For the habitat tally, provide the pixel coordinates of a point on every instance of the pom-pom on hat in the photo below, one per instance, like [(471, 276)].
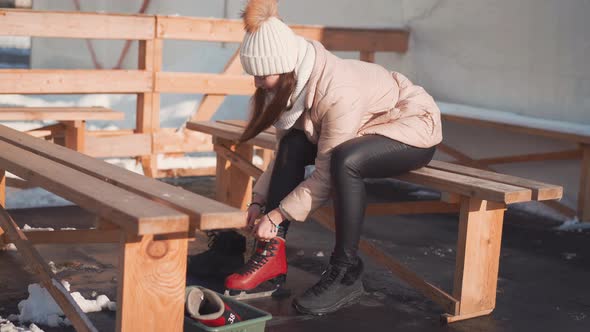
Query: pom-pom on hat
[(269, 47)]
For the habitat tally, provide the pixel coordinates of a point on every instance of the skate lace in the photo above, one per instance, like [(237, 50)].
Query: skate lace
[(212, 239), (258, 259), (329, 276)]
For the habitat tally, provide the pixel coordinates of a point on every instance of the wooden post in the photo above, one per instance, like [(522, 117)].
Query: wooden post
[(75, 135), (478, 257), (584, 195), (3, 240), (234, 187), (151, 283), (368, 56), (267, 156), (148, 104)]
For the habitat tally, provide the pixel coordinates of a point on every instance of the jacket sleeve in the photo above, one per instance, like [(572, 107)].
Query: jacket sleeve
[(339, 123)]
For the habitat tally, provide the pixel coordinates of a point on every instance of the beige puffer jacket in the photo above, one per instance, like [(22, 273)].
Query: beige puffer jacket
[(347, 99)]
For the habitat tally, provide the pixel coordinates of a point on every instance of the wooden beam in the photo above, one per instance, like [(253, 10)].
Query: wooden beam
[(43, 273), (118, 146), (18, 183), (58, 113), (458, 155), (170, 82), (75, 25), (325, 217), (184, 172), (419, 207), (210, 103), (148, 104), (169, 140), (151, 284), (107, 133), (56, 81), (79, 236), (204, 213), (336, 39), (244, 165), (584, 195), (75, 135), (135, 214), (565, 210), (560, 155), (232, 133), (478, 255), (267, 156), (368, 56), (233, 186), (560, 135), (39, 133), (2, 203)]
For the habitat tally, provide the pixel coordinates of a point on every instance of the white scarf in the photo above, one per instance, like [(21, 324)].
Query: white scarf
[(303, 69)]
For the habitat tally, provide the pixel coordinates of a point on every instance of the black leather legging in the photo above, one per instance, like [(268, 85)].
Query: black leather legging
[(370, 156)]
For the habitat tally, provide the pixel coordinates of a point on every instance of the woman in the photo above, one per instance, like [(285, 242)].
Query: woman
[(353, 120)]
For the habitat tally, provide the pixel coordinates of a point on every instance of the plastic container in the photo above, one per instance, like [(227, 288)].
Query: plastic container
[(254, 319)]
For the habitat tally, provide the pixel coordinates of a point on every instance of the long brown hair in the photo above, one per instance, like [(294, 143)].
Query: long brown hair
[(263, 115)]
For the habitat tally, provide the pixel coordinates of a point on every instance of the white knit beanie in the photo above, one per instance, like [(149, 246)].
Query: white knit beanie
[(269, 47)]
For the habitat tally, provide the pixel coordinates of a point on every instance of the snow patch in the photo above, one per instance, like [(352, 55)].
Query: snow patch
[(573, 225), (8, 247), (40, 308), (7, 326), (27, 228)]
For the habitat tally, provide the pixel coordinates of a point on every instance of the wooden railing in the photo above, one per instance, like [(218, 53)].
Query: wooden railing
[(149, 81)]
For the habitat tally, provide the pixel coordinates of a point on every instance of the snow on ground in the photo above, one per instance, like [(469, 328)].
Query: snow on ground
[(8, 326), (40, 308)]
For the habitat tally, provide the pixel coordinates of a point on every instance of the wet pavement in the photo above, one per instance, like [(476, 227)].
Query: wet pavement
[(544, 281)]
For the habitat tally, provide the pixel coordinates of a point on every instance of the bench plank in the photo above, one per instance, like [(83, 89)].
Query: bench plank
[(229, 132), (58, 113), (467, 185), (204, 213), (133, 213), (541, 191), (437, 179)]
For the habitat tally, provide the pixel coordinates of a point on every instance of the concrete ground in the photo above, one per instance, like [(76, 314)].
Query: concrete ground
[(544, 282)]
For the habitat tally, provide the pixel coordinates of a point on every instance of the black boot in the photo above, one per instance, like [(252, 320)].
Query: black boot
[(340, 286), (224, 257)]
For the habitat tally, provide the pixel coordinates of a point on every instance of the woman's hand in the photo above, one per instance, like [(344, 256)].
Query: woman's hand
[(254, 212), (265, 230)]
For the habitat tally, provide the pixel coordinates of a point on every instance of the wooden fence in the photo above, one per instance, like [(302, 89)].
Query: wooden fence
[(148, 81)]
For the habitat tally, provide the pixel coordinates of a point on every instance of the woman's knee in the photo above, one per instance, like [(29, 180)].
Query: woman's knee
[(345, 160)]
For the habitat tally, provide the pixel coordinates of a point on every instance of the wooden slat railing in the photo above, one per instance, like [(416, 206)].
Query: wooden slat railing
[(149, 81)]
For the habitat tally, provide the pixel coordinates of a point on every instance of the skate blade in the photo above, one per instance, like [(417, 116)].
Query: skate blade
[(243, 295)]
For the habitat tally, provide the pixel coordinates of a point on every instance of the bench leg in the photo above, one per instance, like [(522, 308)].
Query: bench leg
[(478, 258), (234, 187), (3, 240), (151, 284), (584, 195), (75, 135)]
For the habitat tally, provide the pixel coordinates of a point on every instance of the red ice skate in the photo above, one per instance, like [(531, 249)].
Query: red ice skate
[(263, 274)]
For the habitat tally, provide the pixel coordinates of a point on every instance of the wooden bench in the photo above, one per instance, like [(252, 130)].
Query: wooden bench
[(150, 220), (479, 196), (71, 121), (576, 133)]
